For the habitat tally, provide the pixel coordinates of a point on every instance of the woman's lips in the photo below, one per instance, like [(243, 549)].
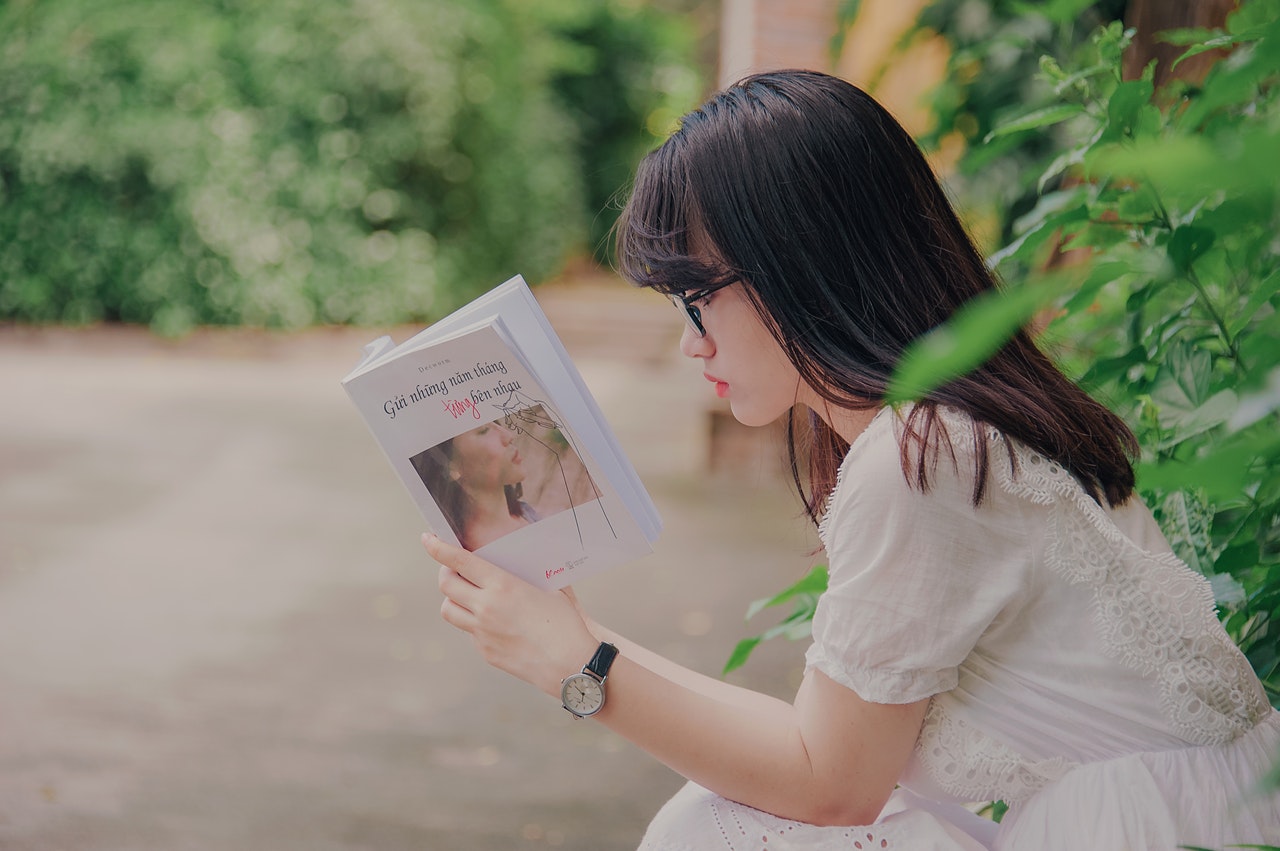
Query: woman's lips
[(722, 387)]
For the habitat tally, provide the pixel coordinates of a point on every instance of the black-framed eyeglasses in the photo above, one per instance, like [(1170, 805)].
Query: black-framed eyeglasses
[(692, 314)]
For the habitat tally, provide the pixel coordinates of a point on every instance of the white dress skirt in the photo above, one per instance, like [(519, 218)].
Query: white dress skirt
[(1077, 669)]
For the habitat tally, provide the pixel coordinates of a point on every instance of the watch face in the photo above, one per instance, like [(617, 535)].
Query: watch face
[(582, 694)]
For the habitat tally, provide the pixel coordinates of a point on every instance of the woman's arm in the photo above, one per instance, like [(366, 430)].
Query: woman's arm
[(693, 680), (831, 758)]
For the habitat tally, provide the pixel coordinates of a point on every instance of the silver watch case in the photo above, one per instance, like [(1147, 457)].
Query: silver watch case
[(582, 694)]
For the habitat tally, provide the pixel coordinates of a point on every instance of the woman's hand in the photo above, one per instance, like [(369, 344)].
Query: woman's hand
[(538, 636)]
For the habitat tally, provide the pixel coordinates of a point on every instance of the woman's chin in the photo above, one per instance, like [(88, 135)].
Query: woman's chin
[(752, 418)]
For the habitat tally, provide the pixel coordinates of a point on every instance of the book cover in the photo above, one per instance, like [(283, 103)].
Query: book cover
[(491, 429)]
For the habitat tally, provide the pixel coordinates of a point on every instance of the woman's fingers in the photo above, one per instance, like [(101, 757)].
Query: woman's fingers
[(466, 564), (533, 634), (474, 589), (452, 585), (456, 616)]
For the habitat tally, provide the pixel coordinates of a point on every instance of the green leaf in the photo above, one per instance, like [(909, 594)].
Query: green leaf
[(1227, 590), (1137, 206), (1188, 35), (1194, 167), (1238, 556), (1185, 519), (1184, 378), (1101, 275), (1258, 350), (1098, 235), (1073, 157), (1188, 244), (971, 336), (1051, 208), (1254, 18), (1220, 42), (1127, 109), (1235, 83), (1258, 404), (1260, 296), (1058, 11), (814, 582), (1047, 219), (1187, 402), (1224, 472), (1104, 370), (796, 626), (741, 652), (1036, 118)]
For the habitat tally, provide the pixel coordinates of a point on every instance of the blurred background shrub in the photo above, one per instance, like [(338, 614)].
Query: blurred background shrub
[(291, 163)]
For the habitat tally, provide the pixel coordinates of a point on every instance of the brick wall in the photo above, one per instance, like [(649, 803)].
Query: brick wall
[(759, 35)]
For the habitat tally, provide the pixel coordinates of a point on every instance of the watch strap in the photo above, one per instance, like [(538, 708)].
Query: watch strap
[(601, 661)]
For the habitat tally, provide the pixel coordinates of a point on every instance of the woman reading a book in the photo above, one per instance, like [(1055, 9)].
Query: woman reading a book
[(1003, 620), (477, 480)]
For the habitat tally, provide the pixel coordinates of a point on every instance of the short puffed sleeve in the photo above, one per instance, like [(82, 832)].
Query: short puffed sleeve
[(916, 577)]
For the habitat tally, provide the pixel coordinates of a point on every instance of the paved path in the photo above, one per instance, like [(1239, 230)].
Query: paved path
[(217, 630)]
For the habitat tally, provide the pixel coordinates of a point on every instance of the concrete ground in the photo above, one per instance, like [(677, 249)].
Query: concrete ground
[(218, 631)]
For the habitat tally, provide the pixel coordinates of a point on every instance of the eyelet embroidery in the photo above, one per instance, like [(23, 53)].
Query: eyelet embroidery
[(741, 830), (971, 765)]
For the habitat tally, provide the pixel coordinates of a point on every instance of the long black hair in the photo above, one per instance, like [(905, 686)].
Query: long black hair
[(803, 188)]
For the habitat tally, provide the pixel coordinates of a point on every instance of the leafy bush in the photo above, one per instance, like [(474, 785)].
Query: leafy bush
[(288, 163)]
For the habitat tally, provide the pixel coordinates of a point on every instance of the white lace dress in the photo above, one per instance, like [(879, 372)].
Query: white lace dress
[(1077, 669)]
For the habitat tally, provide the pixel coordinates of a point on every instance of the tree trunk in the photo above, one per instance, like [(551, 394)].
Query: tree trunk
[(1150, 17)]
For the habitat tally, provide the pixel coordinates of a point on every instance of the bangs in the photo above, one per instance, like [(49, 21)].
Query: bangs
[(660, 241)]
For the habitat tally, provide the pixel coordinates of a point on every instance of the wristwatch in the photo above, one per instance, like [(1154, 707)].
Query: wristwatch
[(583, 693)]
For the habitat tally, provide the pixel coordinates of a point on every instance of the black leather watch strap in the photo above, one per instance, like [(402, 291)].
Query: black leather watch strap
[(600, 663)]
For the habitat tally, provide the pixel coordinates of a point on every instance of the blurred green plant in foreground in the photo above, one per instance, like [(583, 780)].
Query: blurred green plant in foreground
[(1150, 255), (293, 163)]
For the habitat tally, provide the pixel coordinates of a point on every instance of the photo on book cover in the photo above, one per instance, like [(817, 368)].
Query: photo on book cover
[(505, 474)]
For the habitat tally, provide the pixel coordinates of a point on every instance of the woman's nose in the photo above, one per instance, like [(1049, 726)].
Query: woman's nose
[(693, 346)]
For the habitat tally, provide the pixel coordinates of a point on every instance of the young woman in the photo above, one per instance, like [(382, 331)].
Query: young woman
[(476, 479), (1003, 620)]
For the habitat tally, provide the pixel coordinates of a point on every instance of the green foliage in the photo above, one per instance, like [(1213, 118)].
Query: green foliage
[(289, 163), (995, 47), (803, 595), (627, 84), (1159, 225), (1174, 322), (974, 334)]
